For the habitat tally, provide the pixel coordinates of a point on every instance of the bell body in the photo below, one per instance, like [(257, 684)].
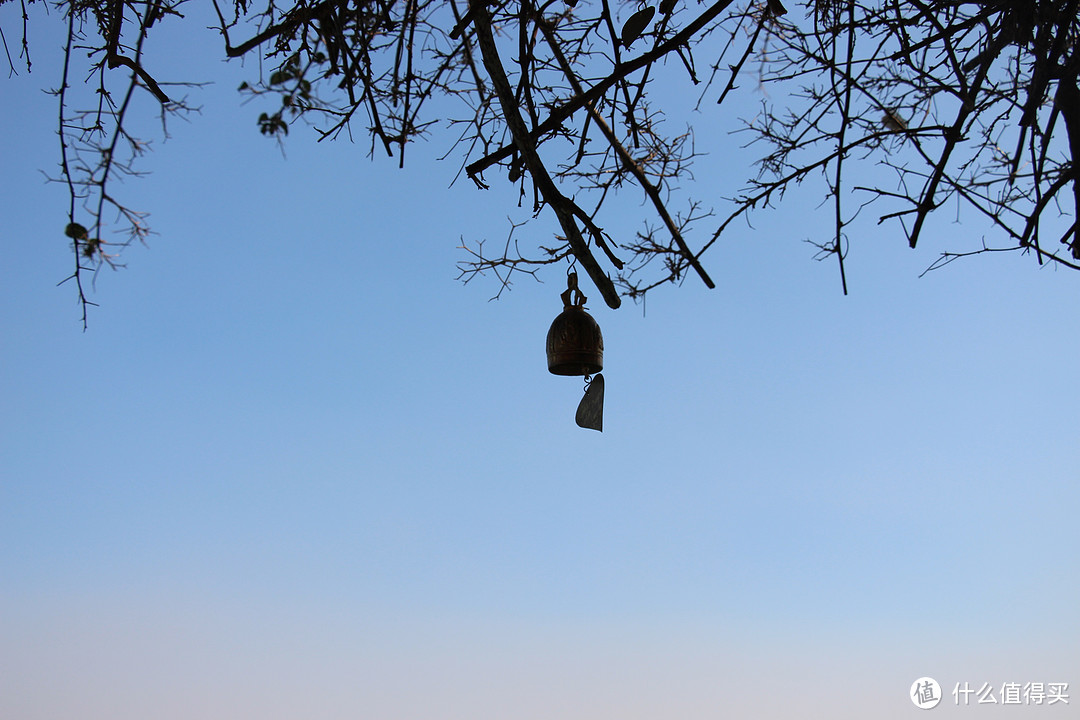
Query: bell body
[(574, 344)]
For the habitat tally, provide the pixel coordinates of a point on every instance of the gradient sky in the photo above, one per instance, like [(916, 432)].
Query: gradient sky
[(294, 469)]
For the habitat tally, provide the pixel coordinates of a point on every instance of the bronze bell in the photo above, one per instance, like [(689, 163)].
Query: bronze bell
[(574, 343)]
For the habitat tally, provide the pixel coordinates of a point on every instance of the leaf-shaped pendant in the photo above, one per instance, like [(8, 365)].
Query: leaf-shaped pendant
[(590, 411)]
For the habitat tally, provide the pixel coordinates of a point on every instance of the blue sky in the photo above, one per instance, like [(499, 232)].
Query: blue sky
[(294, 468)]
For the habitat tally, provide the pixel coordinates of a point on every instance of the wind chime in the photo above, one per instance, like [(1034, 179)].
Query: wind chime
[(576, 347)]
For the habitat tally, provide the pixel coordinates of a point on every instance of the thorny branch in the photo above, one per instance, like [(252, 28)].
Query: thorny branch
[(95, 146)]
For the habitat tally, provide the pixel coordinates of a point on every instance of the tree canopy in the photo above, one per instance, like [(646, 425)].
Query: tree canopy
[(965, 104)]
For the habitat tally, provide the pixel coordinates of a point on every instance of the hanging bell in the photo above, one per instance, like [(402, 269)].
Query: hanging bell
[(574, 343)]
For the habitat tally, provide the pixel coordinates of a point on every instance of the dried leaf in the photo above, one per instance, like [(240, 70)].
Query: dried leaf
[(75, 231), (636, 24)]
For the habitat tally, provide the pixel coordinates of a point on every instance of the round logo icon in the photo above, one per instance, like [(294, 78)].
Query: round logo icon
[(925, 693)]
